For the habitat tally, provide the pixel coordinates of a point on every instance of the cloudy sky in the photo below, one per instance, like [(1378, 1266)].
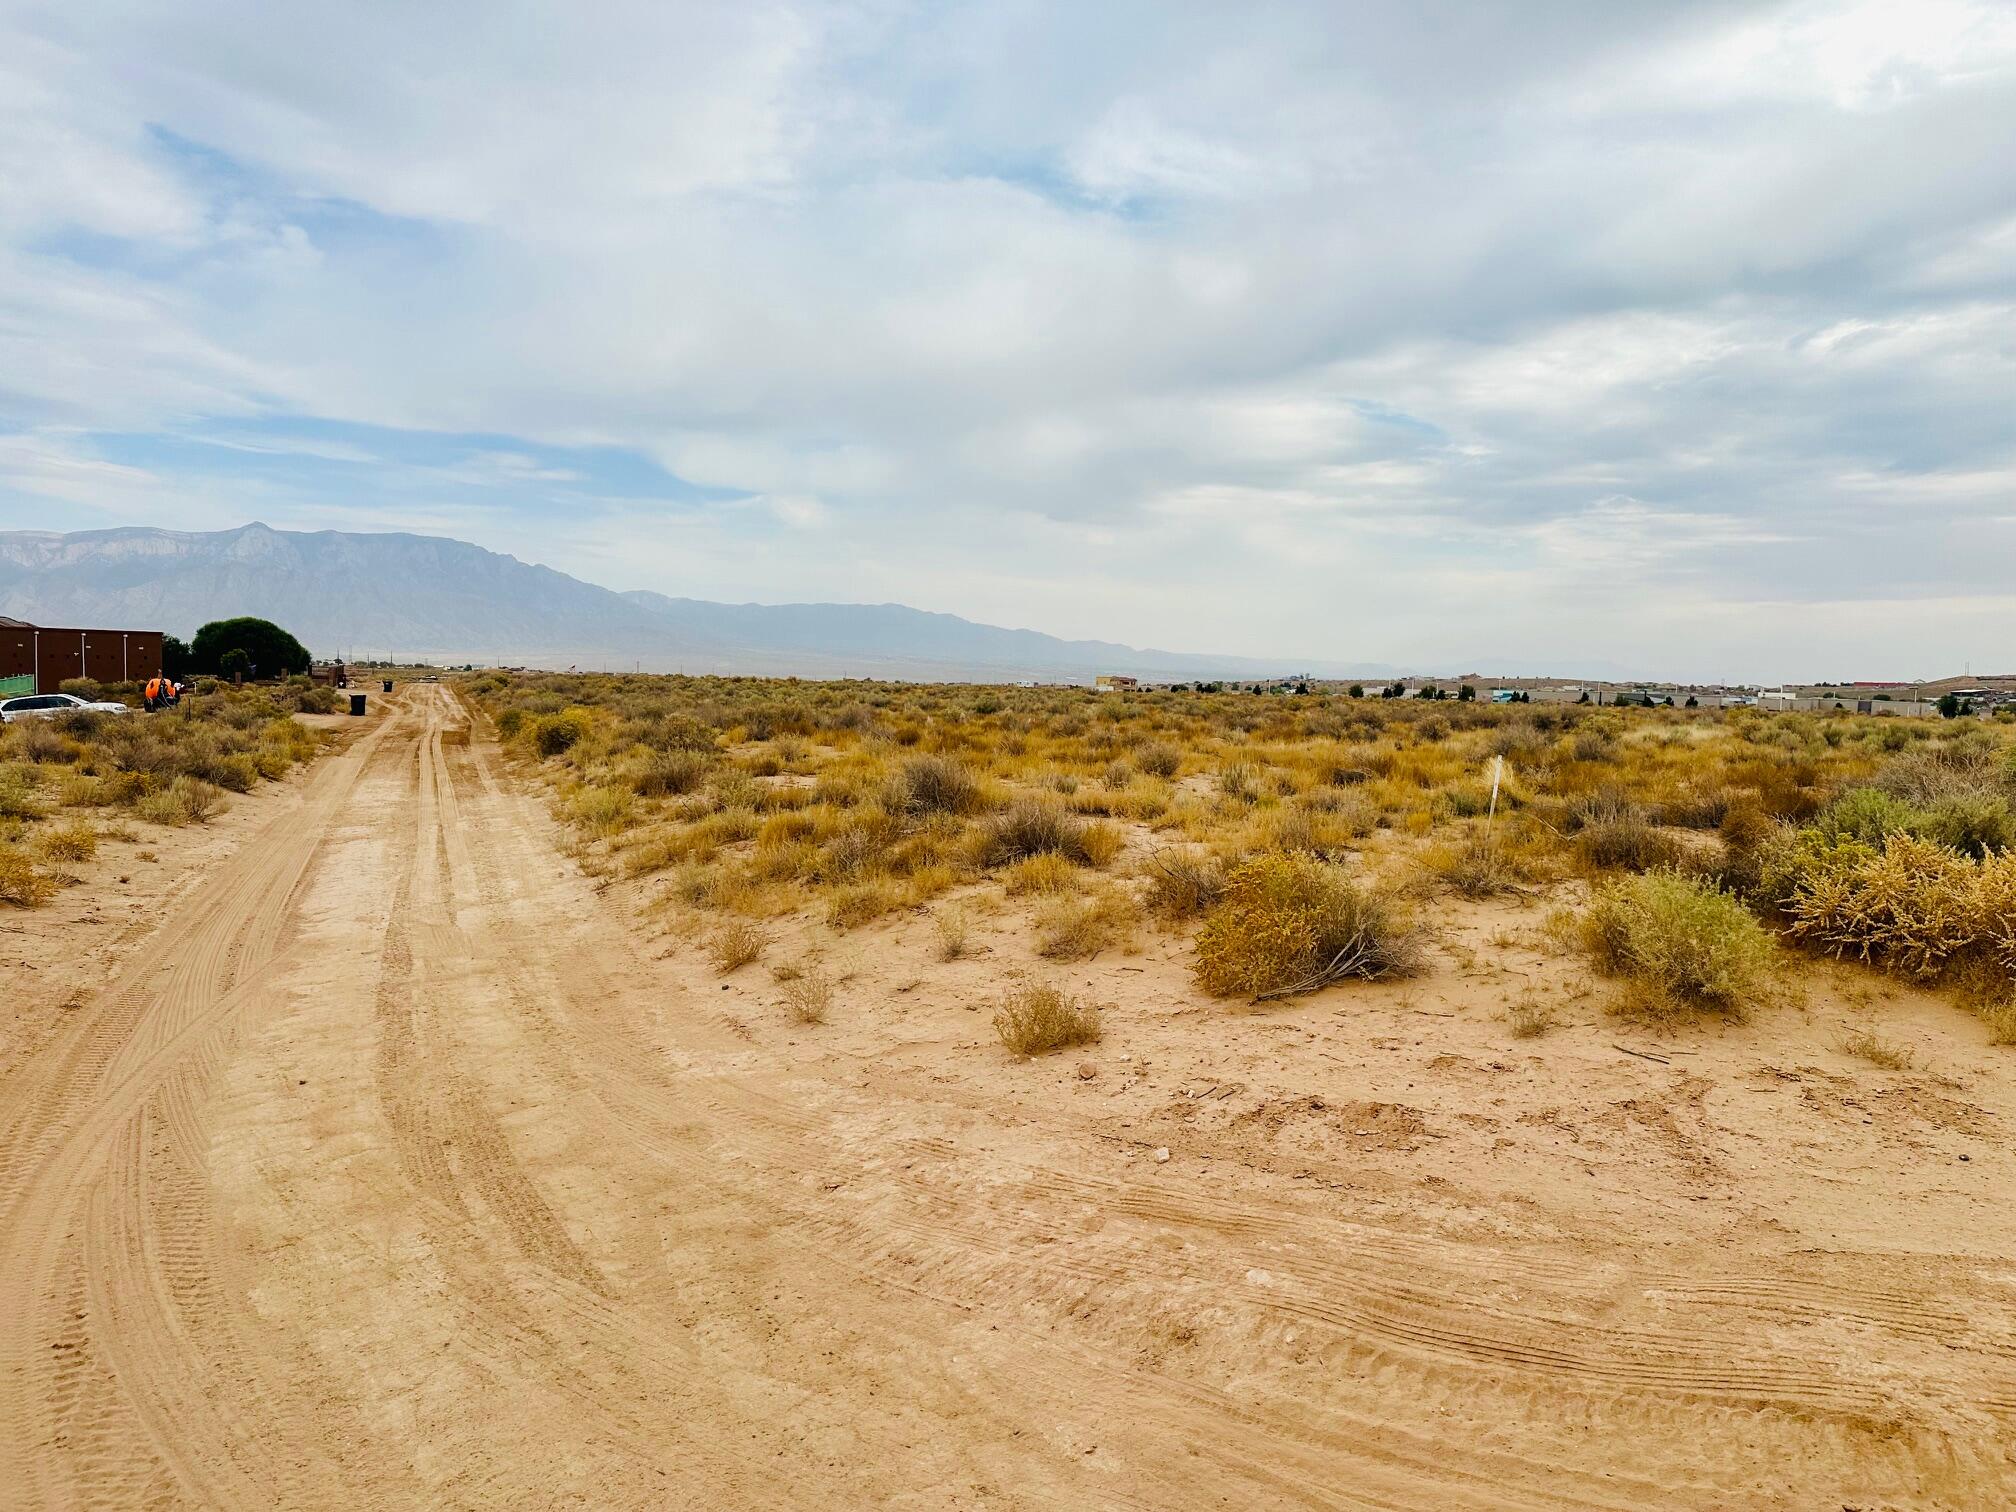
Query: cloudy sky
[(1679, 336)]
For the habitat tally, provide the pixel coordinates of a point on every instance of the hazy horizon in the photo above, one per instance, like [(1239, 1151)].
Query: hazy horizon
[(1682, 339)]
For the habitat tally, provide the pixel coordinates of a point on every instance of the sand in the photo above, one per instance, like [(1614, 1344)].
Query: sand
[(361, 1152)]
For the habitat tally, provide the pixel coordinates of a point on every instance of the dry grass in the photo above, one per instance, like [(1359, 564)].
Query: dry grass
[(1035, 1019), (1077, 929), (1530, 1018), (809, 997), (851, 803), (1865, 1045), (954, 932), (736, 944)]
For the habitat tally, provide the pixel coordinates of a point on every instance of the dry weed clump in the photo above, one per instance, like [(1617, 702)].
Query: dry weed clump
[(808, 996), (954, 932), (1910, 904), (1481, 866), (1864, 1044), (1679, 943), (1034, 827), (1077, 929), (1183, 884), (1290, 924), (735, 944), (1035, 1019), (20, 883)]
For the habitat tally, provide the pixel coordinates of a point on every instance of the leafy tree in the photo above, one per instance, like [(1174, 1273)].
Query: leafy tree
[(269, 650), (235, 664), (1949, 706), (1357, 690), (1466, 694), (175, 659)]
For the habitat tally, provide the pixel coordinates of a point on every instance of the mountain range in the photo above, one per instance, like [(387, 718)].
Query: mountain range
[(428, 598)]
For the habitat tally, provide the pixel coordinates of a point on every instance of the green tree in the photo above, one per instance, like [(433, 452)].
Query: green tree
[(269, 650), (1466, 694), (235, 664), (1949, 706), (175, 657), (1357, 690)]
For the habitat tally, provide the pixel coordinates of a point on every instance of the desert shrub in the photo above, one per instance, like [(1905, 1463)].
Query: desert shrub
[(557, 734), (1679, 942), (935, 785), (1076, 929), (1035, 827), (1912, 905), (864, 902), (20, 794), (672, 773), (1183, 884), (510, 722), (187, 800), (1626, 842), (1043, 875), (45, 741), (954, 934), (20, 883), (75, 841), (1158, 759), (1866, 1045), (1290, 923), (1973, 824), (808, 996), (735, 944), (1238, 781), (1035, 1019), (1479, 866)]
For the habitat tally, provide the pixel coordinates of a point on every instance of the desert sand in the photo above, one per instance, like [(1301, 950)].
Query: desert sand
[(364, 1153)]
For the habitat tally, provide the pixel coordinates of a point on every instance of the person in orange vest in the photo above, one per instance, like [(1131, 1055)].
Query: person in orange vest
[(153, 693)]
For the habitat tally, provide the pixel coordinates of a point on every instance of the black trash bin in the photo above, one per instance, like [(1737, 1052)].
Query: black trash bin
[(356, 703), (388, 685)]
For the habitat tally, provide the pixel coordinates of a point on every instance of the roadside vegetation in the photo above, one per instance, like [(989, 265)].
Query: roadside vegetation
[(1296, 840), (68, 782)]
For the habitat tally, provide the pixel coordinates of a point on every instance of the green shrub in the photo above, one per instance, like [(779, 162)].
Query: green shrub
[(557, 734), (1679, 942), (1290, 923)]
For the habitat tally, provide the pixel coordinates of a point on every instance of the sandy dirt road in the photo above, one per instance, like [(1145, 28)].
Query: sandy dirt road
[(399, 1174)]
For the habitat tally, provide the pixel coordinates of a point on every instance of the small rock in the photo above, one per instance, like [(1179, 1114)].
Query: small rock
[(1161, 1154), (1086, 1070)]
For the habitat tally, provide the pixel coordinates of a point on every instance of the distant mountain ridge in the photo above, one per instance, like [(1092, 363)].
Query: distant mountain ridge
[(432, 598)]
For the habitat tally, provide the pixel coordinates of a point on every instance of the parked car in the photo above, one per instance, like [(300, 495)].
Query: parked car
[(49, 705)]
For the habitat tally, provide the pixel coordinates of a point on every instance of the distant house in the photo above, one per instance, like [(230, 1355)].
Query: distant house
[(1113, 682), (40, 659)]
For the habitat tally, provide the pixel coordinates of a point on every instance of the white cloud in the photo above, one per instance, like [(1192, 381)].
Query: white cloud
[(1150, 324)]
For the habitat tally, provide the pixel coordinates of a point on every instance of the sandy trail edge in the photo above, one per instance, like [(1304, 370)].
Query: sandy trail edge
[(394, 1176)]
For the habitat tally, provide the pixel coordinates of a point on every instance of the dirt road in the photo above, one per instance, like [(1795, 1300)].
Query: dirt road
[(398, 1174)]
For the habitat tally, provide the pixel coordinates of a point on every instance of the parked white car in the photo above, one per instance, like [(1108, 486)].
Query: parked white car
[(49, 705)]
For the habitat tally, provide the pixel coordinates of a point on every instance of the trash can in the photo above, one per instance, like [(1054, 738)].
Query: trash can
[(356, 703), (388, 685)]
